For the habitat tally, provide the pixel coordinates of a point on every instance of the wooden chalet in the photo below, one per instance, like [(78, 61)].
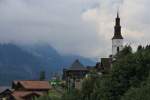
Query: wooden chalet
[(26, 90), (74, 74)]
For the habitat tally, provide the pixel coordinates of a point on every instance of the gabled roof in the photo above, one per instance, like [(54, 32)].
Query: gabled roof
[(31, 85), (19, 95), (76, 65), (4, 88)]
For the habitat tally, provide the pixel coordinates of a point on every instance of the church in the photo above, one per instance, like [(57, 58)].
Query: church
[(117, 45), (74, 74), (117, 40)]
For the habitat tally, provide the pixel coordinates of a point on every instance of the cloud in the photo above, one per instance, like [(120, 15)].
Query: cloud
[(56, 22), (82, 27), (135, 20)]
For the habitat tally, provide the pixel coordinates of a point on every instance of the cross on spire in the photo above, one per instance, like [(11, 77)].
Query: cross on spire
[(118, 13)]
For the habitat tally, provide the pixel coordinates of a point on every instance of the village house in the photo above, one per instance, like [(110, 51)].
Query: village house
[(26, 90), (4, 91), (74, 74)]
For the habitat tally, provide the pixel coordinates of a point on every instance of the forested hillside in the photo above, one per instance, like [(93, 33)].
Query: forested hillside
[(129, 79)]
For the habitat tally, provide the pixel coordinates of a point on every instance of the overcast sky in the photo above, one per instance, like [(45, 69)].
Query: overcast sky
[(82, 27)]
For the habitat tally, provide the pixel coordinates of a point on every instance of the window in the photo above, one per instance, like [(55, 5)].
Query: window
[(118, 49)]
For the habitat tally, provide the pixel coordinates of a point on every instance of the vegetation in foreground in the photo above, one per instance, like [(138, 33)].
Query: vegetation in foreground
[(52, 95), (129, 79)]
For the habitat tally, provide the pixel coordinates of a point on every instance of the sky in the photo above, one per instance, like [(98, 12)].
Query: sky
[(79, 27)]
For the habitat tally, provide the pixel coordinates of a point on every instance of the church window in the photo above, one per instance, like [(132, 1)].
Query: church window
[(118, 49)]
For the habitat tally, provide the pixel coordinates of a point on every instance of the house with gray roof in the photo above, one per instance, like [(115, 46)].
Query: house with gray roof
[(74, 74)]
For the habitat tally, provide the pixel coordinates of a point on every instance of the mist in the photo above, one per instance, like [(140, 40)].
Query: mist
[(81, 27)]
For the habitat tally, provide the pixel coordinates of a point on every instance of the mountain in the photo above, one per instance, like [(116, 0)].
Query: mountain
[(16, 63), (47, 54), (52, 60), (26, 62)]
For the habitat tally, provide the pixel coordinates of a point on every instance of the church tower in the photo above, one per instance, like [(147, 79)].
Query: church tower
[(117, 40)]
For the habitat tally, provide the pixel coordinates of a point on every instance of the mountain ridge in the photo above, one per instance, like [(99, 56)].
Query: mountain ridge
[(26, 62)]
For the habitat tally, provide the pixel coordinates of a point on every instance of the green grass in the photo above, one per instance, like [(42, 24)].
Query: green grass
[(54, 95)]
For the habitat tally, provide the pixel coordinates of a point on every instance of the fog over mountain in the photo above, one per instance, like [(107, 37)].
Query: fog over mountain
[(26, 62)]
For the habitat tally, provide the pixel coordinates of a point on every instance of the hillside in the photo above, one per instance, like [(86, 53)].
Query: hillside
[(16, 63)]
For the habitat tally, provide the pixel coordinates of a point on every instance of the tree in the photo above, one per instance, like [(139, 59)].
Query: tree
[(139, 48), (139, 93), (42, 75), (129, 70), (126, 51)]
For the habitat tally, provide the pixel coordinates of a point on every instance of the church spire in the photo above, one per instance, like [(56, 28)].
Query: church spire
[(117, 28), (117, 40), (117, 14)]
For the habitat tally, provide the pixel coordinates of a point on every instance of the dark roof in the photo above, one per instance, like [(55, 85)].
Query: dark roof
[(117, 37), (29, 84), (3, 88), (117, 29), (76, 65)]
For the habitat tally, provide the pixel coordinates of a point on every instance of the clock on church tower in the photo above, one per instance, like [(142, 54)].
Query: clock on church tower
[(117, 40)]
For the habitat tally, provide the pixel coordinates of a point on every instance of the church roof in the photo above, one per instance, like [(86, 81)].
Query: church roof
[(76, 65), (117, 37), (117, 29)]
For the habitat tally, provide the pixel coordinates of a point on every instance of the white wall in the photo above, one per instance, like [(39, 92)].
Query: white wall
[(116, 43)]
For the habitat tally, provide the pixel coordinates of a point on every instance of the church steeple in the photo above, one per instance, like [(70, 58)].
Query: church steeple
[(117, 40), (117, 28)]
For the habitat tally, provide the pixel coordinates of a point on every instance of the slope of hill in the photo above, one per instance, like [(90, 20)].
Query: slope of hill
[(16, 63)]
